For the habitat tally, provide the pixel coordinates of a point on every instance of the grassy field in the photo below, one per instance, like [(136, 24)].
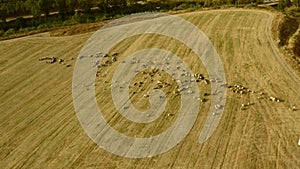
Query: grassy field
[(39, 127)]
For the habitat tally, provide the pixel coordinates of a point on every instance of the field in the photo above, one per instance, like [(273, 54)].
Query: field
[(39, 127)]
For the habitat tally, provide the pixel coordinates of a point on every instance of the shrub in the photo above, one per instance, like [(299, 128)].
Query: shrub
[(296, 48), (251, 5), (2, 32), (293, 11), (9, 32), (286, 29), (79, 17), (100, 18), (20, 23), (21, 30), (183, 6)]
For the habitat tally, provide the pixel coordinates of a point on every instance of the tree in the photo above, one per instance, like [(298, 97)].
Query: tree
[(45, 6), (207, 2), (71, 5), (283, 4), (33, 7), (62, 8), (296, 3), (3, 12), (123, 3), (20, 7), (86, 5), (119, 3), (131, 2)]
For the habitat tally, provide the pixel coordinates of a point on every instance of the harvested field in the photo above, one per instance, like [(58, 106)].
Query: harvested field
[(39, 127)]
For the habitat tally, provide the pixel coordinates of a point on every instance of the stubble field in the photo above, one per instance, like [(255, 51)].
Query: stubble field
[(39, 127)]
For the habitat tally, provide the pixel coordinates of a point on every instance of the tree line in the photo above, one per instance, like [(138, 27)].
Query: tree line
[(70, 12), (13, 8)]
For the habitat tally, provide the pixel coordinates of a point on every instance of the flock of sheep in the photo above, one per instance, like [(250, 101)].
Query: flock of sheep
[(52, 60), (239, 90)]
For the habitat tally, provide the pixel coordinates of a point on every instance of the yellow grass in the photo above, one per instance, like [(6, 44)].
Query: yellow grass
[(39, 127)]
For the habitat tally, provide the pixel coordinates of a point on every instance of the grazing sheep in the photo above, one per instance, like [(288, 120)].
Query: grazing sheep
[(203, 100), (243, 108), (272, 98), (217, 106), (115, 54), (114, 59)]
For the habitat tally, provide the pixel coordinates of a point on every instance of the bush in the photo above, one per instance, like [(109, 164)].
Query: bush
[(183, 6), (42, 26), (21, 30), (69, 22), (296, 48), (20, 23), (2, 32), (100, 18), (286, 29), (9, 32), (79, 17), (250, 5), (293, 11)]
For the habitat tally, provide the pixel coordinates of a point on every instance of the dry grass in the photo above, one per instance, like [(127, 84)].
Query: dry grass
[(39, 127)]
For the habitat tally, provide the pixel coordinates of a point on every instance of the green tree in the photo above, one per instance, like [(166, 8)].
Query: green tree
[(123, 3), (45, 6), (62, 8), (33, 7), (20, 7), (131, 2), (296, 3), (283, 4), (103, 5), (207, 2), (71, 5), (3, 12), (86, 5)]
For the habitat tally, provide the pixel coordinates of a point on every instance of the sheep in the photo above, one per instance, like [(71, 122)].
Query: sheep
[(272, 98), (114, 59), (81, 57), (206, 81), (294, 108), (243, 108), (217, 106), (60, 60), (115, 54)]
